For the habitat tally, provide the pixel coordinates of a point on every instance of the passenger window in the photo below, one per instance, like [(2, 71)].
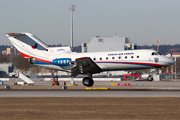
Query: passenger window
[(100, 58), (132, 57), (106, 58), (119, 57), (138, 56), (112, 57), (125, 57), (94, 58)]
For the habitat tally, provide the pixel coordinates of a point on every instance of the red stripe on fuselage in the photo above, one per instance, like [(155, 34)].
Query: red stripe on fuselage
[(158, 65), (82, 57), (25, 56), (138, 63), (43, 60), (38, 59)]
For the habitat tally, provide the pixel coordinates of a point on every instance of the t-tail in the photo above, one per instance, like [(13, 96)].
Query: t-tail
[(27, 44), (36, 51)]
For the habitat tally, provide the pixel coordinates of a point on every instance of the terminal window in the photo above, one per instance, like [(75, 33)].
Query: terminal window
[(100, 40)]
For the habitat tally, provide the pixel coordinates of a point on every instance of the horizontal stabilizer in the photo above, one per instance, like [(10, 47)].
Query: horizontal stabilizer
[(14, 34)]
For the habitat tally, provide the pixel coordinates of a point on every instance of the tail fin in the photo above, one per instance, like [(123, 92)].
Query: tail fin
[(27, 44)]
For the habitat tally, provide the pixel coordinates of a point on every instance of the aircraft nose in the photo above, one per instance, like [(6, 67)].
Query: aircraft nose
[(171, 61)]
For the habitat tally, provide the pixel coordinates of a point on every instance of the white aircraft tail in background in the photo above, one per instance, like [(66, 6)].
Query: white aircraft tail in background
[(63, 59)]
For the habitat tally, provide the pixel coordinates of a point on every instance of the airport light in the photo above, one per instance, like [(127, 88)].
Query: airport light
[(71, 9)]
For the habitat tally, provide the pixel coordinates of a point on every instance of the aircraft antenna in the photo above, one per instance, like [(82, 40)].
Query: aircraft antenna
[(71, 9)]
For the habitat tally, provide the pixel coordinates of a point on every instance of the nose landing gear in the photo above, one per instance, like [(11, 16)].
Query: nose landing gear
[(150, 78)]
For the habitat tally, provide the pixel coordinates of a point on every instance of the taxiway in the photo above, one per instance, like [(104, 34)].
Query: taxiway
[(166, 88)]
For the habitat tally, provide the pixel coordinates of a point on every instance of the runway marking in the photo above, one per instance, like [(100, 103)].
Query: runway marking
[(97, 88), (113, 84), (101, 88)]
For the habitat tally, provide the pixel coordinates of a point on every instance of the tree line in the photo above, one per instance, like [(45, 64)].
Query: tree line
[(163, 49)]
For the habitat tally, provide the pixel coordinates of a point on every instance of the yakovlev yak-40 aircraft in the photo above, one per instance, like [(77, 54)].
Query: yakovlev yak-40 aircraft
[(63, 59)]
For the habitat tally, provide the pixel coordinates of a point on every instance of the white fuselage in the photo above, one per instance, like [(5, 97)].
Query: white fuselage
[(31, 47), (117, 60)]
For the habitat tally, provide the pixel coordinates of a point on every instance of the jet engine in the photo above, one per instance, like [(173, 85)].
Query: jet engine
[(31, 60)]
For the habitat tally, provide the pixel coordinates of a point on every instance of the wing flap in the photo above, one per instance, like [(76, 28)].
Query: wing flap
[(85, 65)]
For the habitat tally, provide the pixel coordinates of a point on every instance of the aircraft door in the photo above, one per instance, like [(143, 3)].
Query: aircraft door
[(150, 58)]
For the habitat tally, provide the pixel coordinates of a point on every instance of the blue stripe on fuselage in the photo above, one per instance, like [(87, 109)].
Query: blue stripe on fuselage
[(42, 63)]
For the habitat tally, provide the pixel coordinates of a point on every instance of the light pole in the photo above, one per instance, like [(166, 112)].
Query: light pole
[(71, 9), (157, 44)]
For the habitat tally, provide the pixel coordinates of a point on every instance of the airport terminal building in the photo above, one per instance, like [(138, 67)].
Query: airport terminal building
[(110, 43)]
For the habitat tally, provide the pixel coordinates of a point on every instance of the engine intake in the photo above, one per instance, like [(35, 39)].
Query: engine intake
[(31, 60), (62, 61)]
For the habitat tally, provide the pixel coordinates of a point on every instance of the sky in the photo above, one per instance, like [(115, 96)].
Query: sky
[(49, 20)]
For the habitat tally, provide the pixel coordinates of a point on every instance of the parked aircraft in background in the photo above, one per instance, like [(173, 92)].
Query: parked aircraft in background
[(63, 59)]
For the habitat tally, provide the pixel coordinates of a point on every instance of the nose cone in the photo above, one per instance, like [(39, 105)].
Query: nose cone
[(170, 62)]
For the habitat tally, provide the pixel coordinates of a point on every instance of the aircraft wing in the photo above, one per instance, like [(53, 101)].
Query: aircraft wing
[(85, 65)]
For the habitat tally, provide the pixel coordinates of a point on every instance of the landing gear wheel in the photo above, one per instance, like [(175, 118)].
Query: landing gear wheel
[(87, 81), (150, 78)]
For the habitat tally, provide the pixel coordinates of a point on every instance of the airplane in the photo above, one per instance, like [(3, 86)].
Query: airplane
[(63, 59)]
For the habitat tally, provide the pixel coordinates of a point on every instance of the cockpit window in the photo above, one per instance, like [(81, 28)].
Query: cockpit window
[(156, 53), (159, 53)]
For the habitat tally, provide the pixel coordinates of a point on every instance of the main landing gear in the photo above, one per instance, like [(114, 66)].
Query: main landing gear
[(88, 81), (150, 78)]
